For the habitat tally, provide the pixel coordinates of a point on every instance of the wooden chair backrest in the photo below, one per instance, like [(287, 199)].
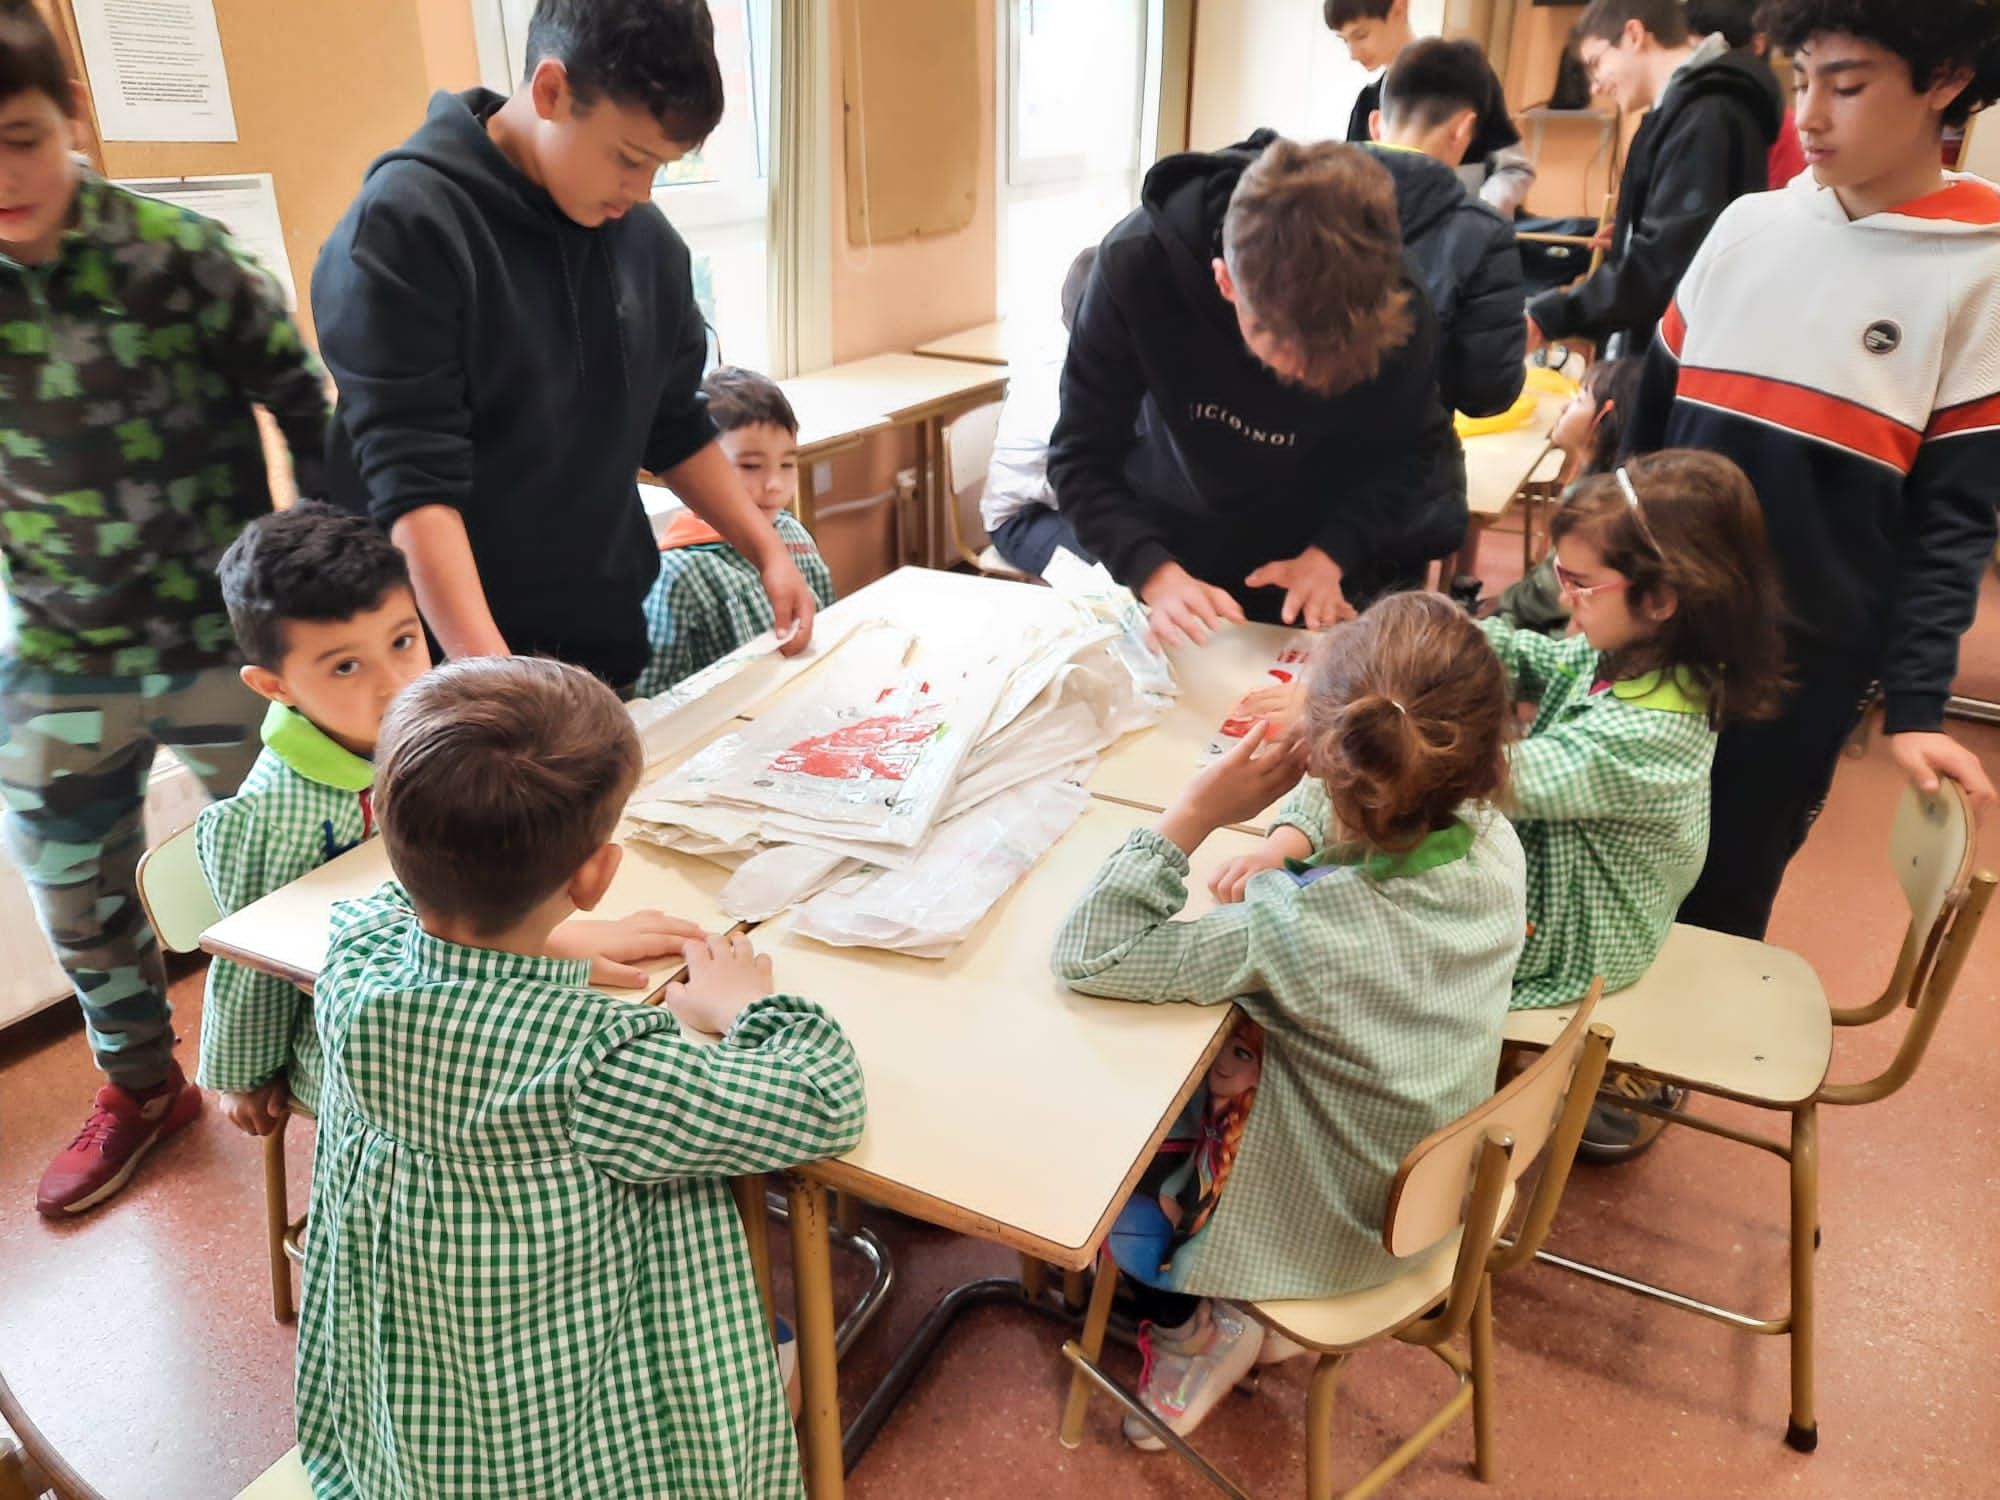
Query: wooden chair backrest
[(1428, 1200), (968, 451), (175, 893), (1931, 848)]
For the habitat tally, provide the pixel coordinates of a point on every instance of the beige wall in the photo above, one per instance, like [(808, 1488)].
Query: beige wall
[(893, 297)]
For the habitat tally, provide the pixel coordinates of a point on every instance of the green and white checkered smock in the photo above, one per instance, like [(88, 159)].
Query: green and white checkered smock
[(1381, 987), (710, 599), (1610, 794), (304, 802), (525, 1274)]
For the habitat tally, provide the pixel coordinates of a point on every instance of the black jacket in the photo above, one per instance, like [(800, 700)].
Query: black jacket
[(495, 356), (1176, 445), (1705, 144), (1471, 270)]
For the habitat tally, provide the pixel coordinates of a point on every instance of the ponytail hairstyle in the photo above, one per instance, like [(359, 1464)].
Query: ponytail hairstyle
[(1407, 716), (1696, 531)]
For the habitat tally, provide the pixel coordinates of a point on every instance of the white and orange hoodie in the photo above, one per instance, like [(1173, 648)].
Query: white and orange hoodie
[(1852, 367)]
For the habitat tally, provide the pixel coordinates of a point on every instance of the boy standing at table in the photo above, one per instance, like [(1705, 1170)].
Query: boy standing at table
[(1711, 116), (521, 1181), (134, 338), (512, 327), (1836, 340), (1375, 33), (1250, 415)]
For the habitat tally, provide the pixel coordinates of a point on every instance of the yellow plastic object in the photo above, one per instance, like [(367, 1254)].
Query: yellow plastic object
[(1518, 415), (1550, 382)]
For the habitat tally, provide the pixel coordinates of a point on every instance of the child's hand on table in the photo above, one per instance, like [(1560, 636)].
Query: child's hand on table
[(1233, 790), (1227, 884), (725, 976), (615, 947), (258, 1111)]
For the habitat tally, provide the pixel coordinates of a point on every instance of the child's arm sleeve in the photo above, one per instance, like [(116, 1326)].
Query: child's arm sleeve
[(252, 339), (1699, 173), (247, 1017), (1120, 940), (1102, 390), (1949, 522), (782, 1087), (389, 318), (1486, 348), (681, 426), (1308, 809), (1598, 768), (1533, 660)]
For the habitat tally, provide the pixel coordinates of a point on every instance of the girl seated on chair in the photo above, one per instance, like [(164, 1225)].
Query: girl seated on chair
[(1663, 565), (1374, 942)]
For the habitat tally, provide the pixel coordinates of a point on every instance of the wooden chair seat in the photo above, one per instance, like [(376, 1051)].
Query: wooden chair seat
[(1335, 1324), (1720, 1014)]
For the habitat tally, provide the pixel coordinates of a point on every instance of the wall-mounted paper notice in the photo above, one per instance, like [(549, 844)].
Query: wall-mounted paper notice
[(246, 206), (156, 70)]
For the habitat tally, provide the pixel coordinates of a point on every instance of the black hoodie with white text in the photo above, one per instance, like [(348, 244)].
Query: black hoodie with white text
[(1176, 444), (497, 357)]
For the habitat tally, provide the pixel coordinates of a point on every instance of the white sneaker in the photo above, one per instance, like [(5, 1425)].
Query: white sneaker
[(1181, 1385)]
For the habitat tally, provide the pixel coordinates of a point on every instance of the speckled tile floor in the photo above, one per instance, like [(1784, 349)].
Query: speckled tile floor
[(141, 1340)]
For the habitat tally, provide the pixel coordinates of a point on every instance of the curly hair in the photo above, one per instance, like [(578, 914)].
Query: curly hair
[(1936, 38), (656, 54)]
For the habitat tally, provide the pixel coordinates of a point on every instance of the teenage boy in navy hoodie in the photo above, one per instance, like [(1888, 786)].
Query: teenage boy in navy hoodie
[(1836, 340), (1250, 414), (512, 328)]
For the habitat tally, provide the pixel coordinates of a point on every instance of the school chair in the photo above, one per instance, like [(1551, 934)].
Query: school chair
[(284, 1480), (968, 450), (1451, 1238), (176, 898), (29, 1466), (1750, 1022)]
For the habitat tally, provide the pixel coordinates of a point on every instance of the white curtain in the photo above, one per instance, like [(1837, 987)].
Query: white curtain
[(801, 276)]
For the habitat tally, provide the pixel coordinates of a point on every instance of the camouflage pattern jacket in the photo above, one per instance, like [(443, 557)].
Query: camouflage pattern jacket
[(129, 454)]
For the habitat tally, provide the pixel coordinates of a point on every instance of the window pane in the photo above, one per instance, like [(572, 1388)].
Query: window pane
[(1076, 72), (735, 153)]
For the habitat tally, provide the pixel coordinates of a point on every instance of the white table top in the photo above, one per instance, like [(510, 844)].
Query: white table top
[(998, 343), (1148, 768), (1001, 1103), (896, 387), (1497, 465), (286, 932)]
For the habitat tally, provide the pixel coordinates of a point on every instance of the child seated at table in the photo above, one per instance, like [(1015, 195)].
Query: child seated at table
[(1374, 942), (1675, 599), (1589, 434), (321, 604), (525, 1274), (709, 598)]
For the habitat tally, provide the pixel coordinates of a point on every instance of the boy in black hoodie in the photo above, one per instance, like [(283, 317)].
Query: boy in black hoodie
[(1250, 415), (1705, 142), (513, 331), (1464, 251)]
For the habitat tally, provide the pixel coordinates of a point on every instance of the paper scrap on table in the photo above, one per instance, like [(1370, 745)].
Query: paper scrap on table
[(1282, 672), (156, 70), (245, 204)]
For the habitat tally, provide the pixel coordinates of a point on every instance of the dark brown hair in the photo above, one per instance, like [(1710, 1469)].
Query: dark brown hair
[(1605, 21), (658, 55), (1406, 718), (1341, 13), (740, 398), (496, 777), (1934, 38), (30, 60), (1699, 532), (1613, 383), (1314, 245)]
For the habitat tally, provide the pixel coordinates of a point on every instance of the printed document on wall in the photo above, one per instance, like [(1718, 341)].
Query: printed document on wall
[(246, 205), (156, 71)]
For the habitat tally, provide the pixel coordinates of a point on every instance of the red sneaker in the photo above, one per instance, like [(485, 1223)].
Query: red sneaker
[(121, 1129)]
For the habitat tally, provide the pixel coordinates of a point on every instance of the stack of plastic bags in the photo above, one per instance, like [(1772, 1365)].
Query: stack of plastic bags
[(903, 782)]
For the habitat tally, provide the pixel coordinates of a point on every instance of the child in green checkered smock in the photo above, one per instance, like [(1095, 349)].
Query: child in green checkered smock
[(525, 1273), (709, 598), (321, 604), (1664, 568), (1373, 937)]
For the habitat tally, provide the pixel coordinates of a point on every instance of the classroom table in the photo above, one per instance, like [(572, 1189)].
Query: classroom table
[(1003, 342), (1499, 467), (839, 406)]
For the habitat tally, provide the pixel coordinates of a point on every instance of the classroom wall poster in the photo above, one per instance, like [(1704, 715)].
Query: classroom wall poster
[(246, 205), (156, 70)]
